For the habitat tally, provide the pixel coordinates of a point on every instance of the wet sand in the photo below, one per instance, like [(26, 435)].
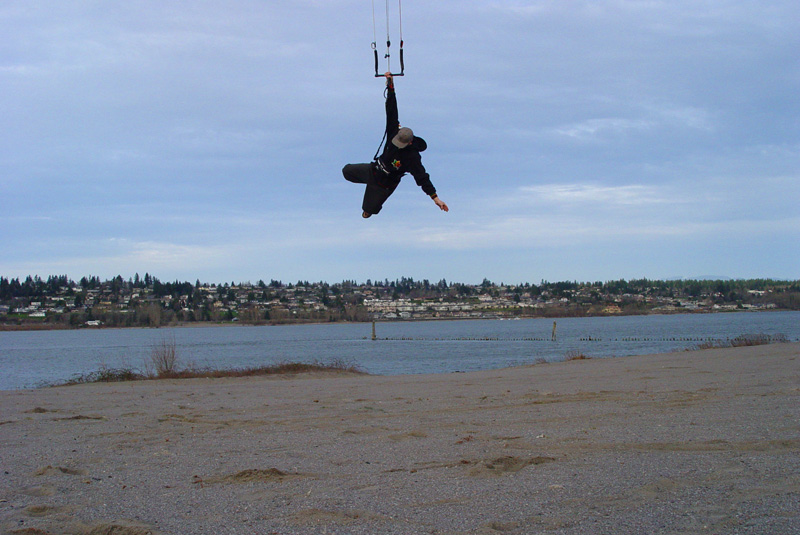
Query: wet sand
[(691, 442)]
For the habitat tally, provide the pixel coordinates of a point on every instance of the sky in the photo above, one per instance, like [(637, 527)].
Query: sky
[(572, 140)]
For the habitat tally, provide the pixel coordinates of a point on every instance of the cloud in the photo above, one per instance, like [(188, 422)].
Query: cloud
[(684, 117), (625, 195), (655, 117), (113, 257), (592, 128)]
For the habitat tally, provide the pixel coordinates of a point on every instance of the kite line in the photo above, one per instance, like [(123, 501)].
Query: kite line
[(388, 55)]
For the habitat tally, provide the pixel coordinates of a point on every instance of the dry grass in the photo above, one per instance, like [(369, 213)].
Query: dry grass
[(742, 341), (284, 368), (164, 364), (574, 355), (108, 375)]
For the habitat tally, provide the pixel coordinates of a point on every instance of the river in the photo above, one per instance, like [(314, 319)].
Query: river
[(33, 358)]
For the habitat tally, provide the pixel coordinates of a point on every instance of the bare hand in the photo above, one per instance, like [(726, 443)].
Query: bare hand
[(440, 203)]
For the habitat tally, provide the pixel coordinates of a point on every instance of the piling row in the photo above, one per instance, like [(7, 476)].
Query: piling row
[(460, 339), (646, 339), (537, 339)]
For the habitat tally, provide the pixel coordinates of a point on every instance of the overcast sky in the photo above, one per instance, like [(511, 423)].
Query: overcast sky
[(572, 140)]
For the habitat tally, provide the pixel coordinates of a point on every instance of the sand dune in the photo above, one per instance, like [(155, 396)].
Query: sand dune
[(700, 442)]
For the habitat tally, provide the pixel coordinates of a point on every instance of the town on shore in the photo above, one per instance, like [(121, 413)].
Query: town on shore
[(59, 302)]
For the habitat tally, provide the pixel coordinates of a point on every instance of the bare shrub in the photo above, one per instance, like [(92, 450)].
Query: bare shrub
[(164, 357)]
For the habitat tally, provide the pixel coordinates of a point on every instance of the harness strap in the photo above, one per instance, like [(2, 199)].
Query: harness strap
[(375, 158)]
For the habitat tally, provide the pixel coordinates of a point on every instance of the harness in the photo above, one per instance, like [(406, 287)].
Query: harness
[(381, 167), (382, 174)]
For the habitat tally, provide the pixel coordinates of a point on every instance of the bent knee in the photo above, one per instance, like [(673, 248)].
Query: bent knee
[(354, 172)]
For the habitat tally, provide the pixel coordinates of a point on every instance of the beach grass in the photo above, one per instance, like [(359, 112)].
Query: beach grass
[(111, 375), (575, 355), (165, 363), (743, 340)]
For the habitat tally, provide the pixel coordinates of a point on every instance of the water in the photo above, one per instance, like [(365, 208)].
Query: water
[(29, 359)]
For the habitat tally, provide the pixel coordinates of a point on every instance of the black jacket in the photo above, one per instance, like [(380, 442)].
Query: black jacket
[(393, 163)]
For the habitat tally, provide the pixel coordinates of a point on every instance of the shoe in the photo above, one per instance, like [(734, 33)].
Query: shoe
[(365, 214)]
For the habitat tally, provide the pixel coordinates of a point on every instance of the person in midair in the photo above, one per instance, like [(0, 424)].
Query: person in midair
[(400, 155)]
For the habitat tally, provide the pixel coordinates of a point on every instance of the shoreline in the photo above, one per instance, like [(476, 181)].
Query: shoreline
[(57, 327), (675, 442)]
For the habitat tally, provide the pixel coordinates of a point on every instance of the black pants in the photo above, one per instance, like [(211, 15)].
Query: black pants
[(374, 194)]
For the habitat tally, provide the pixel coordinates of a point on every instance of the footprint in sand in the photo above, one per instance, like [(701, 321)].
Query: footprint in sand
[(43, 510), (252, 475), (56, 470), (39, 492), (501, 527), (399, 437), (318, 516), (81, 417), (116, 527), (505, 465), (486, 467), (38, 410)]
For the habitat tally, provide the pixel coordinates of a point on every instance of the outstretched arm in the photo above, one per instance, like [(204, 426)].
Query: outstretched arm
[(392, 126), (423, 180)]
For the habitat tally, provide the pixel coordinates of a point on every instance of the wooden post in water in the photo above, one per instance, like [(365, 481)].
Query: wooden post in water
[(553, 336), (373, 331)]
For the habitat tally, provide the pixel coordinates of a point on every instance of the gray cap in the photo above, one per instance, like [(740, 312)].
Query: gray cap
[(403, 138)]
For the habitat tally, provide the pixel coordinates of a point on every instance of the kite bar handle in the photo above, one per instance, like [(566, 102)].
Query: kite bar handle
[(402, 64)]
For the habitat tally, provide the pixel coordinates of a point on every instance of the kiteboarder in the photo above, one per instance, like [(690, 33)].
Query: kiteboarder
[(400, 155)]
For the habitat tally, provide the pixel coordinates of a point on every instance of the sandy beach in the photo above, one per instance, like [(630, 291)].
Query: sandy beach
[(691, 442)]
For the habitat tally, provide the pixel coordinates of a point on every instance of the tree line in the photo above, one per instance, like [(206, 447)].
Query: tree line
[(33, 287)]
